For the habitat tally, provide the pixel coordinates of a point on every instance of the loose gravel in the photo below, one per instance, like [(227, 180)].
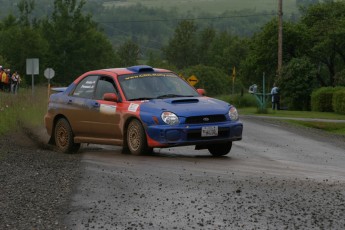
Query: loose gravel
[(35, 182)]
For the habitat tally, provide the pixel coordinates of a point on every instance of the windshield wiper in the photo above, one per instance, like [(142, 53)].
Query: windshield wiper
[(172, 95), (140, 99)]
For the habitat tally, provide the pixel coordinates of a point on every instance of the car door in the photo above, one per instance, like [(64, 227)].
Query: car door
[(83, 109), (108, 118)]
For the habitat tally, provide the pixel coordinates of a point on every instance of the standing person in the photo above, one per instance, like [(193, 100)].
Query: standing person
[(5, 80), (15, 82), (275, 97), (9, 80), (3, 77)]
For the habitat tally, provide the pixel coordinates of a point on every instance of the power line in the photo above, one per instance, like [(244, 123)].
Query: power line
[(138, 37), (190, 19)]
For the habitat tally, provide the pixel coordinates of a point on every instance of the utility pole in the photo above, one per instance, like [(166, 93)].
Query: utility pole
[(280, 38)]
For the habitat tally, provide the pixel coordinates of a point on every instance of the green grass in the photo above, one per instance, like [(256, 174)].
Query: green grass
[(210, 6), (332, 127), (293, 114), (25, 108)]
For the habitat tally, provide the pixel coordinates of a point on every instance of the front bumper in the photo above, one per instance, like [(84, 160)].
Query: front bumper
[(182, 135)]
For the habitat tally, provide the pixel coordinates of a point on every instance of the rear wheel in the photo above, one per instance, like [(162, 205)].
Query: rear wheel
[(64, 137), (220, 149), (136, 138)]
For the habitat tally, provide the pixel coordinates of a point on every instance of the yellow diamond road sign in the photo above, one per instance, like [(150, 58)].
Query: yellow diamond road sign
[(192, 80)]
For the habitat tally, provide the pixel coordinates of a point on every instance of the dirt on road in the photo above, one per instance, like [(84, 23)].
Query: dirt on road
[(35, 181), (40, 189)]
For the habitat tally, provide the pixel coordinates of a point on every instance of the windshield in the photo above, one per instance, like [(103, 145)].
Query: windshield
[(155, 86)]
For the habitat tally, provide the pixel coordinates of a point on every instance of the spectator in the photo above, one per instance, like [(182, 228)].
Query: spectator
[(4, 79), (15, 82), (1, 83), (275, 97), (9, 79)]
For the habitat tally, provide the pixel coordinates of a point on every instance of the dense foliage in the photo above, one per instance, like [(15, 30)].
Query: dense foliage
[(322, 99), (69, 40), (212, 79), (328, 99), (339, 101)]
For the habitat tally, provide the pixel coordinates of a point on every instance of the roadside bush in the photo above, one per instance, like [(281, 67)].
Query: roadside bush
[(322, 99), (247, 100), (297, 83), (212, 79), (339, 101)]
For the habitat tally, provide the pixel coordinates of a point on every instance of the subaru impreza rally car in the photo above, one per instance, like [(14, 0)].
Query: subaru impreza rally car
[(139, 108)]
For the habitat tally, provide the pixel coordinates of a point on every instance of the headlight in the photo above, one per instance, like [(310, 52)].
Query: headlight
[(170, 118), (233, 114)]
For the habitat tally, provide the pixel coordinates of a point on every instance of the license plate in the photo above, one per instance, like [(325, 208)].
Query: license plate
[(209, 131)]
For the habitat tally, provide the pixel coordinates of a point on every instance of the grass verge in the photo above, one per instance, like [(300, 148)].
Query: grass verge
[(25, 108), (331, 127), (292, 114)]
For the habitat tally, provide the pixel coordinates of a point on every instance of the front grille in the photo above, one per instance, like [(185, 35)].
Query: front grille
[(205, 119)]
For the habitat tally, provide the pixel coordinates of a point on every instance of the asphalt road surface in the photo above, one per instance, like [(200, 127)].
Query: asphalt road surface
[(275, 178)]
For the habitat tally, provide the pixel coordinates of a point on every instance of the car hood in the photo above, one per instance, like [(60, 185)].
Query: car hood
[(186, 106)]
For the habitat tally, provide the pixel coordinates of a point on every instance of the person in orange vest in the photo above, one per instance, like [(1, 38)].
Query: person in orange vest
[(8, 80), (3, 78)]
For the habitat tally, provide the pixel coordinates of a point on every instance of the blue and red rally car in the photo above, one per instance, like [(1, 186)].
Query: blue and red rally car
[(139, 108)]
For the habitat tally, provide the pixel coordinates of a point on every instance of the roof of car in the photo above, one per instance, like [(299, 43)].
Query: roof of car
[(124, 71), (135, 69)]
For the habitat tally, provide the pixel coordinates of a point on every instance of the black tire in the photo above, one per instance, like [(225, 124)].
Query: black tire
[(220, 149), (136, 139), (64, 137)]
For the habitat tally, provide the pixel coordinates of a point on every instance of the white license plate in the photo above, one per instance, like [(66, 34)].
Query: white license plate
[(209, 131)]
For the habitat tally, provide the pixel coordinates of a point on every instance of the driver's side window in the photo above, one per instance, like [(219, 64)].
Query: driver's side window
[(104, 85)]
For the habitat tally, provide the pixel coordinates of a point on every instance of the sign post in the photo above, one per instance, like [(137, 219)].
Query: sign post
[(49, 73), (32, 68), (233, 79)]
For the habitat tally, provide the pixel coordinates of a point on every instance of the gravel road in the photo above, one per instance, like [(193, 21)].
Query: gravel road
[(35, 182), (41, 189)]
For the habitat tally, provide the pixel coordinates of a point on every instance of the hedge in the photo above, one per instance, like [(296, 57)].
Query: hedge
[(322, 99), (339, 101)]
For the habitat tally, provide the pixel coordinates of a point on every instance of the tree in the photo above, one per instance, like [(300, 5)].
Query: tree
[(181, 50), (297, 83), (212, 79), (76, 45), (20, 39), (262, 55), (325, 26), (25, 8), (128, 53), (206, 37), (226, 51)]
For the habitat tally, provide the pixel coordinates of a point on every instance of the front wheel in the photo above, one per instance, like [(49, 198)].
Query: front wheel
[(64, 137), (220, 149), (136, 138)]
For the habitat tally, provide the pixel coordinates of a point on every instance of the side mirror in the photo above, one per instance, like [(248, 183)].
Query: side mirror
[(201, 92), (110, 97)]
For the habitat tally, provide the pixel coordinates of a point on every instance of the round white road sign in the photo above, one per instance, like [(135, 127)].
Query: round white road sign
[(49, 73)]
